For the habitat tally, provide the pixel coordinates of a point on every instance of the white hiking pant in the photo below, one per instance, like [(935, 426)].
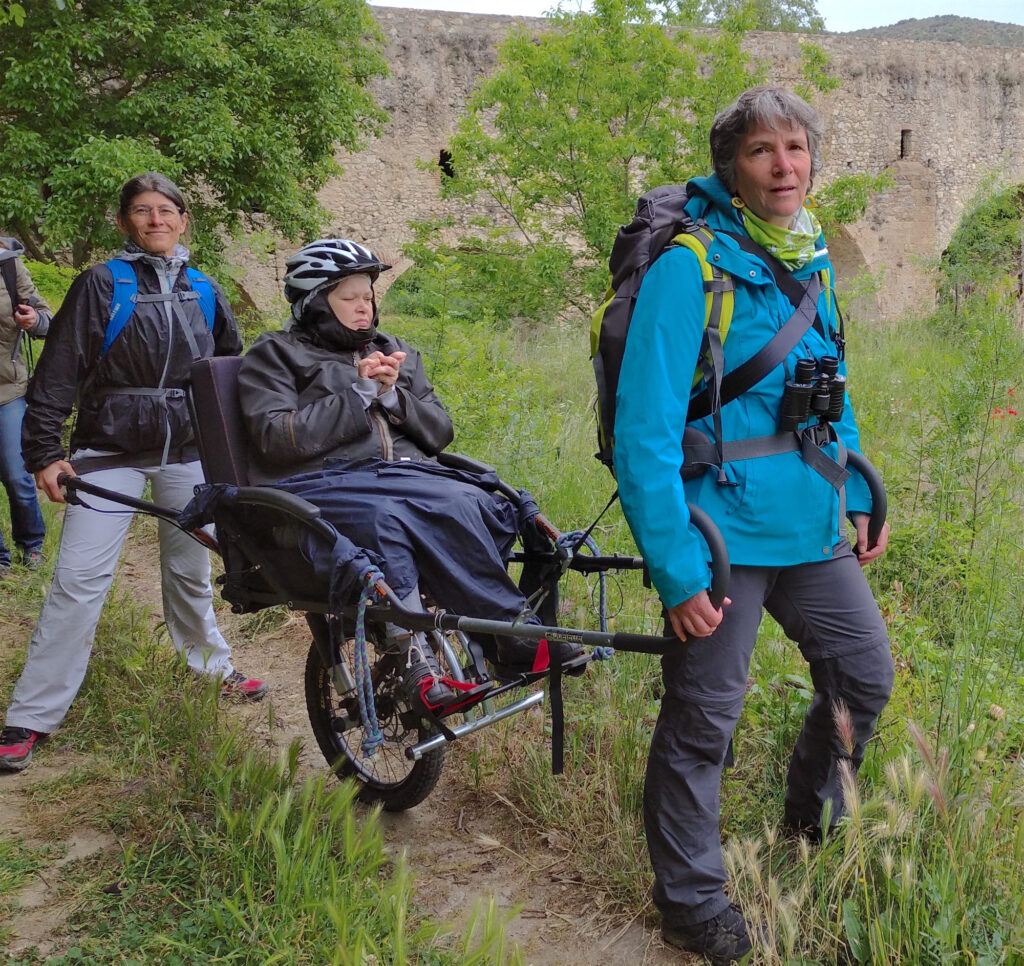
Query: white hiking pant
[(59, 649)]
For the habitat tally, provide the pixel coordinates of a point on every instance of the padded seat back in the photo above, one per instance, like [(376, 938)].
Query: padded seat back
[(217, 420)]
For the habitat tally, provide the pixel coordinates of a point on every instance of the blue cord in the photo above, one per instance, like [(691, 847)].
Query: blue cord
[(568, 541)]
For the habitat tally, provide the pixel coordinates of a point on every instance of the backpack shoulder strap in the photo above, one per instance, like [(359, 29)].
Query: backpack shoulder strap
[(122, 302), (788, 285), (9, 271), (207, 298), (719, 290), (751, 372), (802, 297), (719, 302)]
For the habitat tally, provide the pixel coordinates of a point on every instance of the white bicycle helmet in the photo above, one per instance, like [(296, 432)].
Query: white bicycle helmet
[(322, 263)]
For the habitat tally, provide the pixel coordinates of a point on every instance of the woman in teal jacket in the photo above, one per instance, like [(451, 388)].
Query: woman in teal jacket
[(782, 520)]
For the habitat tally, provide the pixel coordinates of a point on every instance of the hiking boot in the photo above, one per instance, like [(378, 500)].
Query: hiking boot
[(32, 559), (422, 678), (723, 939), (805, 830), (16, 746), (5, 571), (516, 654), (237, 685)]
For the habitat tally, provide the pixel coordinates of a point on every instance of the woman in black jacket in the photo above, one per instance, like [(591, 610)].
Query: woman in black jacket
[(334, 386), (350, 410), (128, 380)]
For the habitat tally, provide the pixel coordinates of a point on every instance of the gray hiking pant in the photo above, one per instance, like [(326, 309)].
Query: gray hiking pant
[(825, 607), (90, 544)]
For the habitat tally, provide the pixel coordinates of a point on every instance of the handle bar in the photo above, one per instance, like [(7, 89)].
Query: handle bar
[(310, 514), (719, 555), (71, 484), (879, 501)]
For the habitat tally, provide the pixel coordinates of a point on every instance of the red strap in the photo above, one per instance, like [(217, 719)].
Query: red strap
[(542, 659), (428, 682), (459, 685)]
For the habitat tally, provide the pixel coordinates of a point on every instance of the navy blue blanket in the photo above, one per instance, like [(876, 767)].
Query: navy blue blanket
[(440, 529)]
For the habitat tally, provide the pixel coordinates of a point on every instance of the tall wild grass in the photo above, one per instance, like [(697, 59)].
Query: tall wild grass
[(224, 853)]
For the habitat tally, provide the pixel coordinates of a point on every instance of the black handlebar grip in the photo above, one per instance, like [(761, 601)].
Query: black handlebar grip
[(719, 555), (879, 502)]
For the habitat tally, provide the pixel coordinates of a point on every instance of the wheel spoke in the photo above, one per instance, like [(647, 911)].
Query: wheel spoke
[(387, 775)]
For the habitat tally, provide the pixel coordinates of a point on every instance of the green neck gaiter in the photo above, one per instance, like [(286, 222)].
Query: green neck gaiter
[(793, 246)]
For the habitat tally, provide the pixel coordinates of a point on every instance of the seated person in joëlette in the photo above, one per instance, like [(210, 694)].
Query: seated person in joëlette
[(343, 415)]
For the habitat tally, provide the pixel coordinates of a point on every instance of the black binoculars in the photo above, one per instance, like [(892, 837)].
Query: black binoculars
[(816, 389)]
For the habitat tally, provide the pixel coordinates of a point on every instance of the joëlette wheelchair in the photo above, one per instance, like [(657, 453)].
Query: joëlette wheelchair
[(365, 725)]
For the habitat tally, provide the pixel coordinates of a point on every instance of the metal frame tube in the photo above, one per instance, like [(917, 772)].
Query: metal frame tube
[(417, 751)]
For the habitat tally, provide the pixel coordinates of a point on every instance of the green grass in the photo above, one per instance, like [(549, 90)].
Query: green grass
[(18, 864), (273, 871)]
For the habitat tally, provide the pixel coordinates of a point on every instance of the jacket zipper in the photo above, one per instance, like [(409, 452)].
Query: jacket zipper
[(387, 445)]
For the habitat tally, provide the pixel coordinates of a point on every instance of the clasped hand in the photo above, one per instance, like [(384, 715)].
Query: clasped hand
[(382, 368)]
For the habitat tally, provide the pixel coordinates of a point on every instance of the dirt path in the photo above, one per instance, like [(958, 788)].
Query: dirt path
[(461, 845)]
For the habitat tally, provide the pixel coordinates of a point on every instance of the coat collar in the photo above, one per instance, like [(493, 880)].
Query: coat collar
[(711, 202)]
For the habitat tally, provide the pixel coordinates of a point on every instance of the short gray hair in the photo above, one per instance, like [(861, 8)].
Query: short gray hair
[(150, 181), (773, 107)]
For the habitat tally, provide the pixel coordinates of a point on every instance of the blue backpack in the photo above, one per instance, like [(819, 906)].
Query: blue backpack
[(126, 296)]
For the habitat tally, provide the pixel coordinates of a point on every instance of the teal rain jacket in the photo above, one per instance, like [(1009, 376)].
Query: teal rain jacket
[(780, 512)]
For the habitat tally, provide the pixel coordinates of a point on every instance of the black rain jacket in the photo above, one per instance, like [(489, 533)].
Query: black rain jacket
[(151, 352), (300, 407)]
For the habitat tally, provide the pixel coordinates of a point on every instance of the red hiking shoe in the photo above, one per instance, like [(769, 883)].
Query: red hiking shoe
[(16, 746), (237, 685)]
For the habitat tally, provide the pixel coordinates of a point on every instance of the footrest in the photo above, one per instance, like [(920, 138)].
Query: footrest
[(417, 751), (466, 697)]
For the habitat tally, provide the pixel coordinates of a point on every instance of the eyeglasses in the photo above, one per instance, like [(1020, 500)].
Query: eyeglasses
[(144, 211)]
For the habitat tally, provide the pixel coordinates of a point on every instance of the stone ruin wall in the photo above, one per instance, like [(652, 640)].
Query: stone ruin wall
[(941, 116)]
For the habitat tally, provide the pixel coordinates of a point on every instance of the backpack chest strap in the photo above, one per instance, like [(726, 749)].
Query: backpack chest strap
[(126, 297), (176, 298), (166, 393), (188, 296)]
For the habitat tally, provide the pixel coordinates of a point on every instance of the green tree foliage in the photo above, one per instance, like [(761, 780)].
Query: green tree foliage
[(791, 16), (12, 13), (846, 199), (243, 104), (987, 245), (816, 71), (559, 140), (53, 281)]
